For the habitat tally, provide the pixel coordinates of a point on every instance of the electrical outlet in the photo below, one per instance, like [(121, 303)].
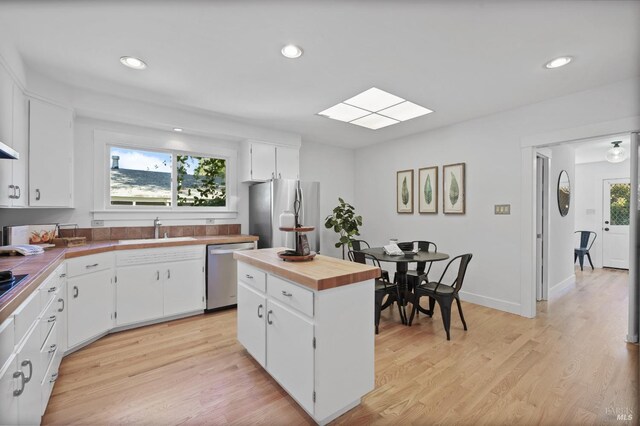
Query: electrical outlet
[(209, 221), (95, 223), (502, 209)]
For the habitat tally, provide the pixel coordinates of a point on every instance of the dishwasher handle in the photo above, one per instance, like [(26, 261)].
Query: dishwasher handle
[(221, 251)]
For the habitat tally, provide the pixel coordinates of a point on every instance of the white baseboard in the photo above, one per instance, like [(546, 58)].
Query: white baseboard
[(490, 302), (558, 287)]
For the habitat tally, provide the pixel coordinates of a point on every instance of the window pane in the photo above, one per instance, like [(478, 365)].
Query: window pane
[(620, 203), (201, 181), (140, 178)]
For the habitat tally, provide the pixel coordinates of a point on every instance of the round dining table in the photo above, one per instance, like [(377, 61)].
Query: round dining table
[(402, 266)]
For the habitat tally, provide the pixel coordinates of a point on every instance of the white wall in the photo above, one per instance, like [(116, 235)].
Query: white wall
[(560, 257), (491, 148), (333, 168), (588, 199)]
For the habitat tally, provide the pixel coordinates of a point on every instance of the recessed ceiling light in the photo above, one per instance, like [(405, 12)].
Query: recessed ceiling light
[(291, 51), (178, 129), (131, 62), (558, 62), (375, 109)]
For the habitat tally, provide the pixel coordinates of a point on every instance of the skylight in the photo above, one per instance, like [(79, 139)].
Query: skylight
[(375, 109)]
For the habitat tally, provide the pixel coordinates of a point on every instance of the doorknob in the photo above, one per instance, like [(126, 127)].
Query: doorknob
[(606, 229)]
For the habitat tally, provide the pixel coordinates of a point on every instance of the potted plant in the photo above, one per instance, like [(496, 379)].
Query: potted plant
[(344, 221)]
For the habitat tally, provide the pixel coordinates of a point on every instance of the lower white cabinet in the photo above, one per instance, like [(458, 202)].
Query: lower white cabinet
[(251, 322), (183, 286), (138, 294), (90, 300), (9, 376)]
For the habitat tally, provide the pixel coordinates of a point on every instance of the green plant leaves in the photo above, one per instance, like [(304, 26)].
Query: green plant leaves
[(428, 190), (344, 222), (405, 192), (454, 190)]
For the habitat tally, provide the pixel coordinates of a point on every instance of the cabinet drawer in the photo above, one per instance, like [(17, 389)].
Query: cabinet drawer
[(48, 320), (88, 264), (252, 276), (51, 286), (25, 315), (50, 347), (290, 294), (46, 386), (7, 340)]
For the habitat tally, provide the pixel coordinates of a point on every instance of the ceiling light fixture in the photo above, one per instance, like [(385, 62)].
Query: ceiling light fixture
[(132, 62), (616, 154), (291, 51), (178, 129), (375, 109), (558, 62)]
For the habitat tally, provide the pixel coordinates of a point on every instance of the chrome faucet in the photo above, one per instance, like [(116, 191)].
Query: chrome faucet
[(156, 228)]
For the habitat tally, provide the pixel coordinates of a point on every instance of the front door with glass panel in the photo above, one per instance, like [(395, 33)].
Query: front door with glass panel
[(615, 229)]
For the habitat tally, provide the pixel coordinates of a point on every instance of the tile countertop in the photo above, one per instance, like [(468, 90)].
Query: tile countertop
[(40, 266), (321, 273)]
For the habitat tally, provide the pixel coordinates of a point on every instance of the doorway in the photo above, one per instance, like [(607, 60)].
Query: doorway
[(616, 215), (542, 226)]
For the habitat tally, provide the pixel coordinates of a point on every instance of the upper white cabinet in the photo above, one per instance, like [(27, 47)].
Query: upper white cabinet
[(263, 161), (14, 111), (50, 155)]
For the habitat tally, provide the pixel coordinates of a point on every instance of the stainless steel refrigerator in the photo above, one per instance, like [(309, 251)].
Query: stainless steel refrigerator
[(267, 200)]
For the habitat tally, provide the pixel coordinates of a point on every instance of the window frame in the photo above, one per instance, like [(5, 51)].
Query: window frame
[(104, 141)]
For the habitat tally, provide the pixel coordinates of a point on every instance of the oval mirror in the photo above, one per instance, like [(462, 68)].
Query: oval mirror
[(564, 193)]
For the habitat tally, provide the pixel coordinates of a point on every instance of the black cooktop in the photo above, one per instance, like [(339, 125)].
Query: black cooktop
[(5, 286)]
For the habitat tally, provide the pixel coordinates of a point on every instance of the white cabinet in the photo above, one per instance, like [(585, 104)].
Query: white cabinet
[(90, 305), (50, 155), (13, 173), (262, 161), (159, 282), (9, 376), (251, 322), (28, 363)]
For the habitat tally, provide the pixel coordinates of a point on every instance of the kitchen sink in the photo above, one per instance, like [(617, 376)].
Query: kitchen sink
[(156, 240)]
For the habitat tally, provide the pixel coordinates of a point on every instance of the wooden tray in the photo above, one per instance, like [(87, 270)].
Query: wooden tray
[(70, 241), (299, 229), (284, 255)]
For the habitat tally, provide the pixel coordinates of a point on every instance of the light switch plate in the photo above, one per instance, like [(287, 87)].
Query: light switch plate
[(95, 223), (502, 209)]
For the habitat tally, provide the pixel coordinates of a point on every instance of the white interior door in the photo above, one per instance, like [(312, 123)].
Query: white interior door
[(615, 235), (541, 217)]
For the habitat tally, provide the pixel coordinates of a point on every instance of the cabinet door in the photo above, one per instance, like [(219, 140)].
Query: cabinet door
[(28, 358), (290, 352), (50, 155), (20, 144), (263, 161), (139, 293), (183, 287), (287, 163), (61, 302), (6, 135), (8, 384), (90, 301), (251, 322)]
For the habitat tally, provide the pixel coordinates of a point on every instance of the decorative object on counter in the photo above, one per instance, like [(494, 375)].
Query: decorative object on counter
[(344, 221), (428, 190), (404, 194), (73, 241), (302, 251), (453, 188), (287, 219), (564, 193), (23, 249), (42, 234)]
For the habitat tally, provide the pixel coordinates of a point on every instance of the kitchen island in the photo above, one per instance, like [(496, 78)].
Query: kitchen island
[(311, 326)]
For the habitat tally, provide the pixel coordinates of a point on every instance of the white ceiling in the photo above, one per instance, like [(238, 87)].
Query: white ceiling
[(595, 150), (462, 59)]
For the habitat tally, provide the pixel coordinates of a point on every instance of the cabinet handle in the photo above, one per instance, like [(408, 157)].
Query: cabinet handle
[(52, 348), (75, 292), (52, 289), (54, 377), (24, 364), (22, 382), (62, 275), (62, 308), (284, 293), (157, 275), (19, 192), (279, 175), (260, 310), (249, 276), (37, 195), (91, 266), (52, 318), (269, 317), (168, 273), (14, 192), (273, 175)]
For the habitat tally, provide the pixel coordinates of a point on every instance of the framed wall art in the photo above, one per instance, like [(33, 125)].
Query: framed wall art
[(453, 188), (428, 190), (404, 191)]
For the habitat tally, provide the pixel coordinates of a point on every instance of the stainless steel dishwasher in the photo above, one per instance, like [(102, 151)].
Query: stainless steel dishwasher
[(222, 275)]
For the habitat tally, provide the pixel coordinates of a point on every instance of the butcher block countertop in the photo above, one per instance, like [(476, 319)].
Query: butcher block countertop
[(40, 266), (321, 273)]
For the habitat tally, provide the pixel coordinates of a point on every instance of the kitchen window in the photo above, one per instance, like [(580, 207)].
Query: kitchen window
[(162, 179)]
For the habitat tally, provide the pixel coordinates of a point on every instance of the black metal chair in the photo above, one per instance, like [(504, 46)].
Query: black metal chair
[(383, 288), (585, 245), (358, 245), (415, 276), (444, 294)]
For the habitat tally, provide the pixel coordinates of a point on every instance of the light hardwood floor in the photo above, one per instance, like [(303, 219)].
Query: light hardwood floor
[(570, 365)]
